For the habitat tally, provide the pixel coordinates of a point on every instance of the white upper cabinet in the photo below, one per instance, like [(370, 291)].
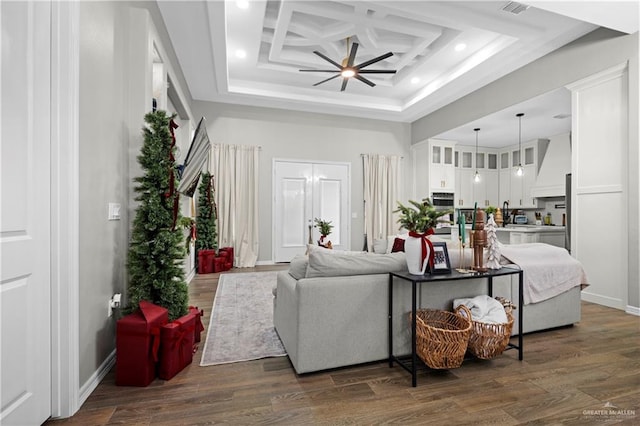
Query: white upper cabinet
[(442, 172)]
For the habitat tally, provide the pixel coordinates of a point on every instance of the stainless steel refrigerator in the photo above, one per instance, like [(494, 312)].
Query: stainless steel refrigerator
[(567, 205)]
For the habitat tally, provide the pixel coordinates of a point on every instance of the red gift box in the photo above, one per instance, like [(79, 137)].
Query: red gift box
[(219, 264), (199, 313), (228, 251), (137, 344), (176, 345), (205, 261)]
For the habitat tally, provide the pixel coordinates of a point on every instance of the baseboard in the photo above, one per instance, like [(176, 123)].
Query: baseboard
[(190, 276), (95, 379), (633, 310), (265, 262), (602, 300)]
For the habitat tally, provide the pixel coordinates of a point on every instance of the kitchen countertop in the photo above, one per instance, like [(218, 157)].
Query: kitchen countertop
[(531, 228)]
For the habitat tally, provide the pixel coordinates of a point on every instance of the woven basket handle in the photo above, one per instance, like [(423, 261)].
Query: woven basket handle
[(466, 313)]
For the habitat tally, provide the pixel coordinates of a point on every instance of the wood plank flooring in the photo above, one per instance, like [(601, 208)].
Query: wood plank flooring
[(569, 376)]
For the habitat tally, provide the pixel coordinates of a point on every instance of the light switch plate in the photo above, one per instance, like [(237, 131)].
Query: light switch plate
[(114, 211)]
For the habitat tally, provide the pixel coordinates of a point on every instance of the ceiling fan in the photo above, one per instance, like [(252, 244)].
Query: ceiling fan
[(347, 69)]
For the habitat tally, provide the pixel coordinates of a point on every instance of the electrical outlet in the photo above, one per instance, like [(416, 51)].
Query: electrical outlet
[(110, 311)]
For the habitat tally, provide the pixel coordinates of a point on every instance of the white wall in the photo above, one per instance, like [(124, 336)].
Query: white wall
[(307, 136)]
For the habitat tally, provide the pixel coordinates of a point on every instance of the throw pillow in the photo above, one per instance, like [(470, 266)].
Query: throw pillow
[(380, 246), (398, 245), (298, 266), (392, 238)]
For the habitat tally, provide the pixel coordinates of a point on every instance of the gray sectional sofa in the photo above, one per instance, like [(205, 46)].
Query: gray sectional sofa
[(331, 307)]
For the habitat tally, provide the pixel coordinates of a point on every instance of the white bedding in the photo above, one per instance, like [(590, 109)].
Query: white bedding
[(548, 270)]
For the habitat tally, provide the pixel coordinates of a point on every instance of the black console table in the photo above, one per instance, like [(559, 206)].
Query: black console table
[(410, 364)]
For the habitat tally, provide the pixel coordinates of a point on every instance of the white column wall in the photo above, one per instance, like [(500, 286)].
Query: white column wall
[(599, 227)]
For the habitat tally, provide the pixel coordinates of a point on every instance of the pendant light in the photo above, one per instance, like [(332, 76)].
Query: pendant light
[(476, 177), (520, 170)]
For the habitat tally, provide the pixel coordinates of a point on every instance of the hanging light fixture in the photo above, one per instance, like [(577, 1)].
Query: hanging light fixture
[(520, 170), (476, 177)]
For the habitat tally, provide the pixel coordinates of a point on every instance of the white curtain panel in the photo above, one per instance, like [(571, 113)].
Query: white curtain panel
[(235, 168), (381, 188)]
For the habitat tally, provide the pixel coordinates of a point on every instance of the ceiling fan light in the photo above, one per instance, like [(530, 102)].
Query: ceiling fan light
[(348, 72)]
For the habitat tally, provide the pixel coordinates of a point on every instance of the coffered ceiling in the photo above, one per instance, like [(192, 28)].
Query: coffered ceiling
[(250, 52)]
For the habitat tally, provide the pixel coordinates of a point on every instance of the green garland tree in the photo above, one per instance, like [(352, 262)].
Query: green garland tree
[(156, 250), (207, 235)]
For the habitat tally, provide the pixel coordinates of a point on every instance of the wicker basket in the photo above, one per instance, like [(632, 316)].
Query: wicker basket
[(487, 341), (442, 337)]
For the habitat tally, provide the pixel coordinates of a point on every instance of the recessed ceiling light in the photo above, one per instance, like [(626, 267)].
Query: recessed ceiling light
[(242, 4), (241, 54), (460, 47), (415, 80)]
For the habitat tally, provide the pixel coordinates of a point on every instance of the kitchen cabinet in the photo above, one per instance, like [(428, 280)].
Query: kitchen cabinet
[(464, 188), (522, 234), (518, 188), (442, 172), (504, 191), (486, 192)]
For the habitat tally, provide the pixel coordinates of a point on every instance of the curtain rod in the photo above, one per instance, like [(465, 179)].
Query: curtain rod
[(401, 157)]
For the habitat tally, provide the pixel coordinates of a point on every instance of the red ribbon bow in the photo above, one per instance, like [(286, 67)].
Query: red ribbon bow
[(425, 242)]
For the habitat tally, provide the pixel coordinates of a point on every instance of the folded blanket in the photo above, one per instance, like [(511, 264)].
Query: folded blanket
[(484, 309), (548, 270)]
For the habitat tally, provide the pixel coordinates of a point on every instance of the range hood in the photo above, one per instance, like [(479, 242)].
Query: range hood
[(553, 169)]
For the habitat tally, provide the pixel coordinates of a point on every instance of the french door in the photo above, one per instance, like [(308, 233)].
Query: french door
[(304, 191)]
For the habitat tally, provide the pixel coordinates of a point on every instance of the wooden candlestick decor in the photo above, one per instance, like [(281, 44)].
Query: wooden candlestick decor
[(479, 242)]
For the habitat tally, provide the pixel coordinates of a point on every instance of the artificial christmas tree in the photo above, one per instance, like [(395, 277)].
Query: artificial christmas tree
[(493, 246), (207, 236), (156, 250)]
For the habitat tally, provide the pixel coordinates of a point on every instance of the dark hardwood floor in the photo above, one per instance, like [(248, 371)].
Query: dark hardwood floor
[(585, 374)]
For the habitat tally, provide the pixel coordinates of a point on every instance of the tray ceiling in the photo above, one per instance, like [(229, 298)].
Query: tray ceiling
[(251, 52)]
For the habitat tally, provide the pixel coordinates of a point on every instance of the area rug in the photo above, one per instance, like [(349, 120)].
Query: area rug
[(241, 324)]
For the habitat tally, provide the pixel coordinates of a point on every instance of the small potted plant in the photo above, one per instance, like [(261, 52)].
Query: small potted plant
[(419, 218), (325, 228)]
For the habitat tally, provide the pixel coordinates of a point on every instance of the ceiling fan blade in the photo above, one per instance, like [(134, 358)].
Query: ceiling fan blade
[(328, 59), (319, 70), (324, 81), (364, 80), (375, 71), (373, 61), (352, 54), (344, 84)]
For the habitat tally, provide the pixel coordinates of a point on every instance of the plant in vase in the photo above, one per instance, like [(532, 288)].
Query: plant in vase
[(325, 228), (419, 218)]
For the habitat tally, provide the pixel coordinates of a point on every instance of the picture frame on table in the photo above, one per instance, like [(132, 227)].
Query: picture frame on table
[(441, 262)]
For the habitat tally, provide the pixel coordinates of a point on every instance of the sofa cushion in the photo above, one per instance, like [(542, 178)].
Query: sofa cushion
[(298, 266), (324, 264)]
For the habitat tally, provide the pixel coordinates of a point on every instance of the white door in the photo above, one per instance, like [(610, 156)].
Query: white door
[(25, 334), (302, 192)]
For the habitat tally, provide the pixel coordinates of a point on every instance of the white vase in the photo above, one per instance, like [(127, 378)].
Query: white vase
[(413, 253)]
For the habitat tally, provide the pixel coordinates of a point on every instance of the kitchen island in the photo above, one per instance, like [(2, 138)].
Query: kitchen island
[(519, 234)]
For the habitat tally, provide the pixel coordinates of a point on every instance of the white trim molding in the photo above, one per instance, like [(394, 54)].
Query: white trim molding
[(90, 385), (633, 310), (65, 208)]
